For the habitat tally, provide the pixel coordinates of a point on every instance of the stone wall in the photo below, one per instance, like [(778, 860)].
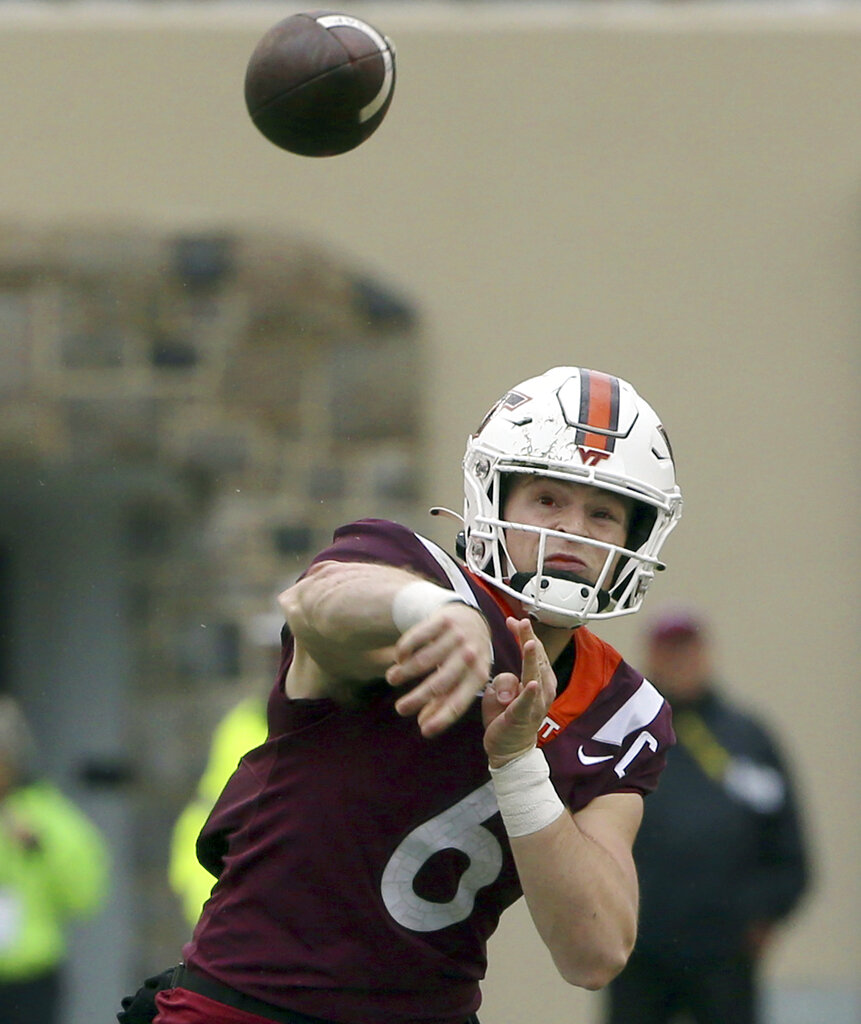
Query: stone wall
[(256, 393)]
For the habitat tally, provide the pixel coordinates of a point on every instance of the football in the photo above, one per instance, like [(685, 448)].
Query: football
[(319, 83)]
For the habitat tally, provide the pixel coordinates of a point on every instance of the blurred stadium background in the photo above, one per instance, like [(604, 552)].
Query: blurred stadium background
[(212, 352)]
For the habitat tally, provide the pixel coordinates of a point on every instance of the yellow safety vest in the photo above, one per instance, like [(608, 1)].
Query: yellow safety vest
[(54, 868), (242, 729)]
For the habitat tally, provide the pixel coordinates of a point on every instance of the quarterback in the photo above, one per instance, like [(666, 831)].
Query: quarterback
[(446, 735)]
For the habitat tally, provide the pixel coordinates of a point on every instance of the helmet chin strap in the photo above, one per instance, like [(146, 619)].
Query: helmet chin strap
[(520, 581)]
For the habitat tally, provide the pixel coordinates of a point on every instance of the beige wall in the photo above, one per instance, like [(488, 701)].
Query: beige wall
[(671, 194)]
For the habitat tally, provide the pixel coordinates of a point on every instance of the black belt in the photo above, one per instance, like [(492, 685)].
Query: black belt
[(203, 985)]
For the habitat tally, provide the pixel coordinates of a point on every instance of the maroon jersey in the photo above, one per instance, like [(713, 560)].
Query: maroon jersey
[(362, 867)]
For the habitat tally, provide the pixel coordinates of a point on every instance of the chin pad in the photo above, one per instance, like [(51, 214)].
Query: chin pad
[(519, 580)]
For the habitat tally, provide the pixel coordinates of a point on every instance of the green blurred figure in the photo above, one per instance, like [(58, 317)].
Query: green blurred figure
[(242, 729), (54, 868)]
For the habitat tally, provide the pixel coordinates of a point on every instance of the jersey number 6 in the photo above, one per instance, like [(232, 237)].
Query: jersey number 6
[(458, 828)]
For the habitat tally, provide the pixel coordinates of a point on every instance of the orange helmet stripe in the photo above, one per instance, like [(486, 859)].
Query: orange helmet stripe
[(599, 408)]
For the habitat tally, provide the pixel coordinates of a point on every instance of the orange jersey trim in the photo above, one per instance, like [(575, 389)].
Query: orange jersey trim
[(594, 665)]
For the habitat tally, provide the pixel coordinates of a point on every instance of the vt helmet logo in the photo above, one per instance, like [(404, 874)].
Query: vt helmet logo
[(591, 456)]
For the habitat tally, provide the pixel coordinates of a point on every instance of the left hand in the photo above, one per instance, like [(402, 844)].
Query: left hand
[(513, 709), (140, 1008)]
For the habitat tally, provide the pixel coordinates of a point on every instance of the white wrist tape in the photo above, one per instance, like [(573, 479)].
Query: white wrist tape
[(526, 797), (416, 601)]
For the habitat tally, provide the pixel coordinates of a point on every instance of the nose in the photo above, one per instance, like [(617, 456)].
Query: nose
[(572, 520)]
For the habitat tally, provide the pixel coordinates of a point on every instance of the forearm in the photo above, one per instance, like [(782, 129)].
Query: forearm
[(340, 616), (582, 900), (355, 622), (577, 872)]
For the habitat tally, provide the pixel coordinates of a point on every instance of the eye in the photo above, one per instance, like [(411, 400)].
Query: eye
[(610, 514)]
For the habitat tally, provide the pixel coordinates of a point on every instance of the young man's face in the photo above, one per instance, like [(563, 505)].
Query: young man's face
[(578, 509)]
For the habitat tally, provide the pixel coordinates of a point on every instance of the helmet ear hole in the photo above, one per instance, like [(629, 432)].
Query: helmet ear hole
[(643, 519)]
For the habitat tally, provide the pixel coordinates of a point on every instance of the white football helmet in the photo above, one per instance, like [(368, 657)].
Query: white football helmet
[(583, 427)]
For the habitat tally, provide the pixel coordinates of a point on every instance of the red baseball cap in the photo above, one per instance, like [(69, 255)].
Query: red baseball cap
[(677, 624)]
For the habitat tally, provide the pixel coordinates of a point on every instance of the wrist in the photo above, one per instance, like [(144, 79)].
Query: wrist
[(496, 761), (526, 797), (418, 600)]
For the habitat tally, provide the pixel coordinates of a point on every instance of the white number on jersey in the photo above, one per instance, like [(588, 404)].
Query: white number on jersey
[(458, 828)]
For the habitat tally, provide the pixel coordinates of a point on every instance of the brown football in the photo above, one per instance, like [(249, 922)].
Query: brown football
[(319, 83)]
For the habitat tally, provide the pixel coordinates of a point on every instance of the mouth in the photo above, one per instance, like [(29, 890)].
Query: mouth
[(567, 563)]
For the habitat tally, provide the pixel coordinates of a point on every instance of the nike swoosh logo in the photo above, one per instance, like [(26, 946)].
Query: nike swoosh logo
[(588, 759)]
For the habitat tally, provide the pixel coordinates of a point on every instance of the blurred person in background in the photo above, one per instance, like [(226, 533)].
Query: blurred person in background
[(53, 871), (240, 730), (721, 853)]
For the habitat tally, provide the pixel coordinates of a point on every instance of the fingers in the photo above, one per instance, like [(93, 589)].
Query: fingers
[(514, 708), (511, 729), (505, 687), (522, 703), (536, 664), (437, 711), (448, 657), (439, 714), (422, 649), (458, 678)]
